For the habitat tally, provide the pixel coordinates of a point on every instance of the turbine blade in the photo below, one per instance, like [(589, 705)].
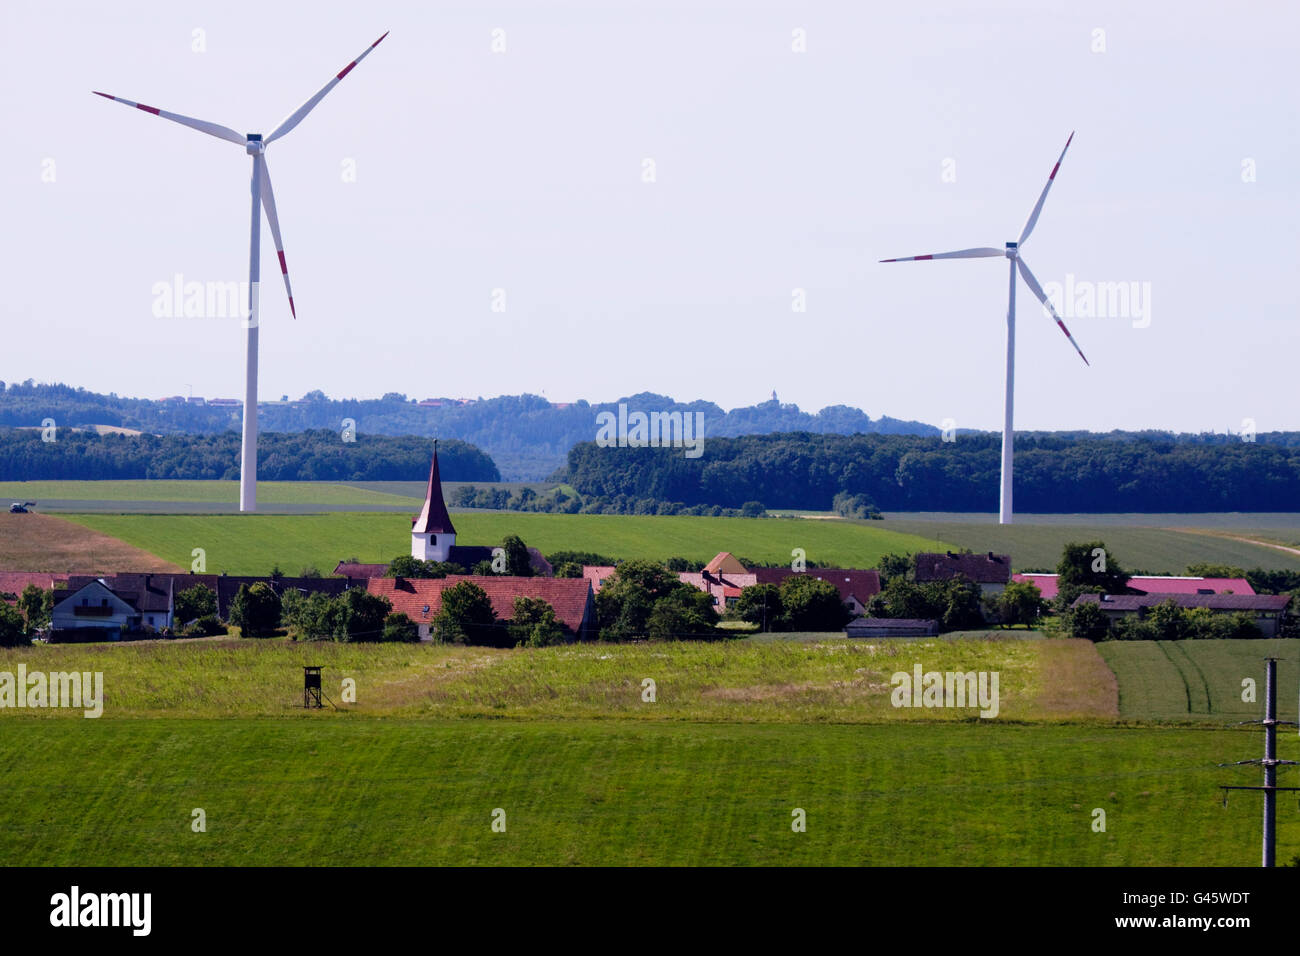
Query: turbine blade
[(983, 252), (298, 115), (268, 203), (1038, 206), (1037, 290), (203, 126)]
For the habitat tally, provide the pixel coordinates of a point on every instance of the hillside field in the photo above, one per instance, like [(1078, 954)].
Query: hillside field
[(251, 544), (1163, 680)]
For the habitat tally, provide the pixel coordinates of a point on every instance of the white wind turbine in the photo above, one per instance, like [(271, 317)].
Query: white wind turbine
[(255, 145), (1012, 252)]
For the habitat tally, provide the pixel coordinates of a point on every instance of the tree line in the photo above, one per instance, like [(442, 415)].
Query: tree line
[(863, 473), (315, 455)]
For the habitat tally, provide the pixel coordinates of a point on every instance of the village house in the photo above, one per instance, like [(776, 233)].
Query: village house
[(1266, 609), (95, 612), (420, 599), (990, 571)]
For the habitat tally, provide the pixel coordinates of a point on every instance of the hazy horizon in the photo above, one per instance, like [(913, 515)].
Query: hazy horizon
[(896, 132)]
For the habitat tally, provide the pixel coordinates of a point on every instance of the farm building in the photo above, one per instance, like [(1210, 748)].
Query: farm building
[(990, 571), (1046, 583), (891, 627), (725, 577), (420, 599), (1267, 609)]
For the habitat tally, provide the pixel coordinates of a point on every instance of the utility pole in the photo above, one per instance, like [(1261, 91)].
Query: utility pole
[(1270, 763)]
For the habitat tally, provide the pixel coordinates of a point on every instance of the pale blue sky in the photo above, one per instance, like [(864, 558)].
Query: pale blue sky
[(775, 170)]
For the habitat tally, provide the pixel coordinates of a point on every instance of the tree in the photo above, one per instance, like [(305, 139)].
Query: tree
[(752, 509), (811, 604), (13, 629), (961, 604), (361, 615), (36, 604), (1167, 621), (193, 603), (518, 561), (1020, 602), (398, 628), (406, 566), (761, 604), (854, 506), (1088, 568), (893, 566), (1087, 621), (534, 624), (256, 610), (467, 616)]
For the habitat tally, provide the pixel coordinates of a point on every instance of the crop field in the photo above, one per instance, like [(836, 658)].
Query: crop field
[(587, 772), (1164, 680), (251, 544), (35, 542), (1156, 550)]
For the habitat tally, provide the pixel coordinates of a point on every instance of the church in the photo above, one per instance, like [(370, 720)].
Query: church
[(433, 536)]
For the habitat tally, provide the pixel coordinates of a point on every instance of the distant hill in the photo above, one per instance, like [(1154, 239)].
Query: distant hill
[(528, 437)]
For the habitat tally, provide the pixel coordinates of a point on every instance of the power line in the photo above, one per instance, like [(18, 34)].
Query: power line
[(1269, 762)]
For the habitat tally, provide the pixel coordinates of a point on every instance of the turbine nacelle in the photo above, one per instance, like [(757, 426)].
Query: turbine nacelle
[(254, 146), (1013, 250)]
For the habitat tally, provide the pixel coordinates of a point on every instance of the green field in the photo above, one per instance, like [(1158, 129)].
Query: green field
[(206, 492), (1155, 550), (251, 544), (1162, 680), (741, 734), (833, 679), (418, 793)]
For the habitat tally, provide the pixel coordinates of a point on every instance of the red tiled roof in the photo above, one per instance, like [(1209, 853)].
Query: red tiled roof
[(13, 582), (433, 517), (597, 573), (982, 568), (1046, 583), (571, 597)]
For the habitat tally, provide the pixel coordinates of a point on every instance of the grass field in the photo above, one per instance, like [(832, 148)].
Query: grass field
[(419, 793), (1153, 549), (741, 734), (251, 544), (1163, 680), (829, 680)]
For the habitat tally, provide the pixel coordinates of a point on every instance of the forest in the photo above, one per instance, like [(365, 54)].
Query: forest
[(1054, 473), (314, 455)]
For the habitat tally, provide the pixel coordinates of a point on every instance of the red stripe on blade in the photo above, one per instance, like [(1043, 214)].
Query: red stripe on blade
[(148, 109), (107, 96), (283, 267), (291, 308), (346, 70), (1054, 169), (919, 258), (379, 41)]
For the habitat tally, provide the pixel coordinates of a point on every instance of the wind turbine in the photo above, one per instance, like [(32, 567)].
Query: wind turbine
[(1012, 252), (255, 146)]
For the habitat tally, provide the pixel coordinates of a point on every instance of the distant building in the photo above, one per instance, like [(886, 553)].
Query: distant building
[(1266, 609), (724, 578), (1145, 584), (891, 627), (420, 599), (990, 571), (13, 582), (226, 402)]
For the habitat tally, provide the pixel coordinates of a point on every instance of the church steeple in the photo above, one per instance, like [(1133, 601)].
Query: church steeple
[(432, 533)]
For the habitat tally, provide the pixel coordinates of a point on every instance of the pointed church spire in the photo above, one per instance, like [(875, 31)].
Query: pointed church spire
[(433, 518)]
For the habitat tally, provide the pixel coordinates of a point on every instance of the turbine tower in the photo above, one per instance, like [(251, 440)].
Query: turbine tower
[(262, 197), (1012, 253)]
